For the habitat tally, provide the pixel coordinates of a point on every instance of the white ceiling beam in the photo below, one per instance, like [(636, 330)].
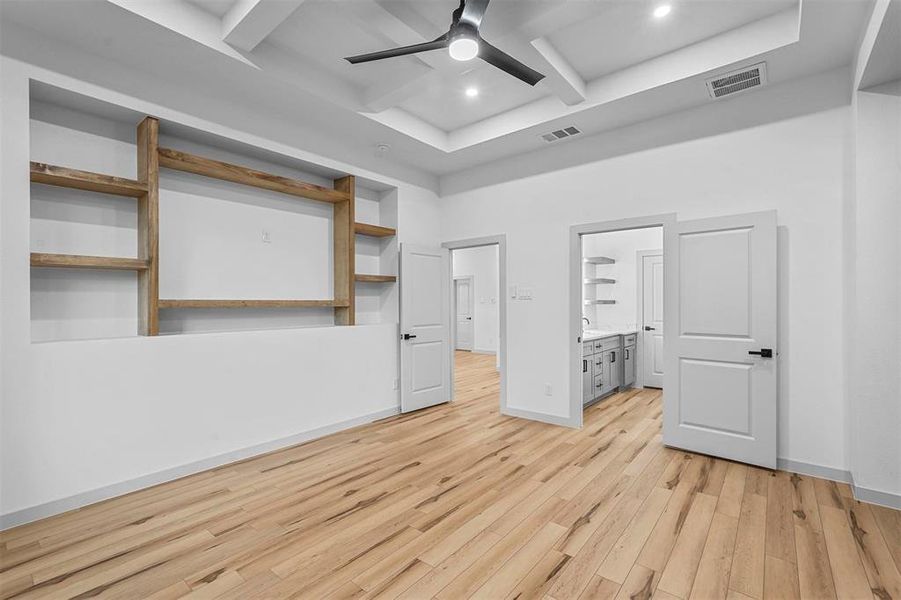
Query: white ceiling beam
[(566, 83), (185, 19), (248, 22)]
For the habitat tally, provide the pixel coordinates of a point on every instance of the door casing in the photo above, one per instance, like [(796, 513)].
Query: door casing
[(500, 241), (575, 297)]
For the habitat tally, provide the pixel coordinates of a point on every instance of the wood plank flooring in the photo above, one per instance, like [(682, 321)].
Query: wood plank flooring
[(460, 502)]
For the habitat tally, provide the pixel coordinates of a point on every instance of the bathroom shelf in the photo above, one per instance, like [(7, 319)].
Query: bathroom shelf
[(599, 260), (588, 302), (598, 280)]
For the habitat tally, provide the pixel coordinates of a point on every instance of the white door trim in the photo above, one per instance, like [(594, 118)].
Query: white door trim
[(639, 281), (501, 242), (472, 318), (575, 296)]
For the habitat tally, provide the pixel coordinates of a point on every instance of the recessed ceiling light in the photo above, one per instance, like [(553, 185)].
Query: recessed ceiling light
[(662, 10), (472, 92)]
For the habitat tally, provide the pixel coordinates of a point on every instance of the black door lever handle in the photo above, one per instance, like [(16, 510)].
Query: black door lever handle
[(763, 352), (646, 328), (408, 336)]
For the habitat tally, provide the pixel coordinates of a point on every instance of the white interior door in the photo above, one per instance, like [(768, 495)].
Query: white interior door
[(720, 390), (424, 327), (652, 320), (463, 301)]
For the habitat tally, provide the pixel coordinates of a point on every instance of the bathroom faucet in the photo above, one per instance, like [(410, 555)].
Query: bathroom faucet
[(587, 320)]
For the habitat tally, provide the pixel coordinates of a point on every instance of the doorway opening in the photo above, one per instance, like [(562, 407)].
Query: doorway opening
[(617, 308), (622, 312), (478, 321)]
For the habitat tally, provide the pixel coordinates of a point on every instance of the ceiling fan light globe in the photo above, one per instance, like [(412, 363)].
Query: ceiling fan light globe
[(463, 48)]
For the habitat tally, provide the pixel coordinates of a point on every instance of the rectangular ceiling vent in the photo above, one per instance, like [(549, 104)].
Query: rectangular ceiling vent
[(737, 81), (560, 134)]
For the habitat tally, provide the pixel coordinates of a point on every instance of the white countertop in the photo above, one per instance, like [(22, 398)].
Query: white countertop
[(596, 334)]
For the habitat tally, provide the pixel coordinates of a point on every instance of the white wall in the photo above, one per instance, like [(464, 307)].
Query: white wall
[(481, 263), (109, 415), (875, 346), (794, 166), (623, 247)]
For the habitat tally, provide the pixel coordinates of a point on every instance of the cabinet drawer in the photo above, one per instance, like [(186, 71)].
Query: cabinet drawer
[(629, 340), (604, 344), (597, 362), (598, 384), (587, 348)]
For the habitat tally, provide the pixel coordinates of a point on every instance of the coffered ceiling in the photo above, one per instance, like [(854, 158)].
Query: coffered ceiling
[(607, 62)]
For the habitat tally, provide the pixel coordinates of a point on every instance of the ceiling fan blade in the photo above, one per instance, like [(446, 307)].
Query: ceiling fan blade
[(435, 44), (473, 11), (505, 62)]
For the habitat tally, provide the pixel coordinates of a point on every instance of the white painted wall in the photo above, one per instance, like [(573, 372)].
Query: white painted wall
[(794, 166), (78, 416), (481, 263), (874, 388), (623, 247)]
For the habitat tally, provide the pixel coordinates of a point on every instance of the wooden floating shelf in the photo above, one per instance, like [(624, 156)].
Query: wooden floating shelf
[(253, 303), (375, 278), (598, 281), (86, 180), (588, 302), (599, 260), (198, 165), (78, 261), (374, 230)]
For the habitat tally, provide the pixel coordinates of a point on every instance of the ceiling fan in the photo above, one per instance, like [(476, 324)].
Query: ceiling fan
[(463, 43)]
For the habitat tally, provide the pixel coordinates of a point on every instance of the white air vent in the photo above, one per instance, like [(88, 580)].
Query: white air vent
[(560, 134), (742, 80)]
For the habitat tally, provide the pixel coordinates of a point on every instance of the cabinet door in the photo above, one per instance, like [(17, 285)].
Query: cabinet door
[(629, 366), (614, 368), (587, 380)]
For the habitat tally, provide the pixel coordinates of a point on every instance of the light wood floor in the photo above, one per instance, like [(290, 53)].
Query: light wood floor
[(457, 502)]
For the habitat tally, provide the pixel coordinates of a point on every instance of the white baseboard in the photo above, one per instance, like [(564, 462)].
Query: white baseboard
[(802, 468), (877, 497), (55, 507), (536, 416), (863, 494)]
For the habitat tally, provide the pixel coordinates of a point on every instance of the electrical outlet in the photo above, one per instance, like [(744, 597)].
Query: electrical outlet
[(548, 390), (267, 236)]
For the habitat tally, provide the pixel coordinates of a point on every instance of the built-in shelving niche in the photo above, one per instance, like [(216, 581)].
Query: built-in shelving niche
[(84, 239)]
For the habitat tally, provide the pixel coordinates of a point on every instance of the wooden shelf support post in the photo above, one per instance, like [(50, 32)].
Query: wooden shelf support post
[(149, 226), (344, 255)]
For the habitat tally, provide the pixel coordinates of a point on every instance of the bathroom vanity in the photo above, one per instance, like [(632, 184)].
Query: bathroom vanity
[(608, 363)]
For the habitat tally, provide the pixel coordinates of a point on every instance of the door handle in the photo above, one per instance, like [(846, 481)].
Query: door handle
[(408, 336), (646, 328), (763, 352), (469, 318)]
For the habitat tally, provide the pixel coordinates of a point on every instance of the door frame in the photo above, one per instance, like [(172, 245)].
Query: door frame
[(472, 318), (501, 242), (575, 296), (639, 281)]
